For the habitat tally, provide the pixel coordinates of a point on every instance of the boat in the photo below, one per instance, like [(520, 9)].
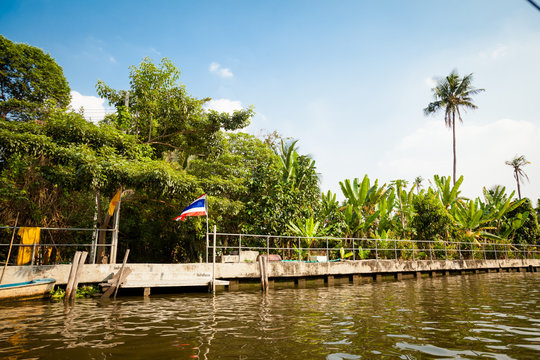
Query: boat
[(34, 289)]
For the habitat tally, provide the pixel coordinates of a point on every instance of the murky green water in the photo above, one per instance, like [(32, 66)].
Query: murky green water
[(460, 317)]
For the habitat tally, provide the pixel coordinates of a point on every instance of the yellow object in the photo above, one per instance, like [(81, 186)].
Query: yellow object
[(29, 236), (114, 201)]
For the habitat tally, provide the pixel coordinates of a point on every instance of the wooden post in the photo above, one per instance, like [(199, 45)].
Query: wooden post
[(121, 272), (10, 246), (214, 262), (82, 259), (261, 269), (266, 274), (72, 272)]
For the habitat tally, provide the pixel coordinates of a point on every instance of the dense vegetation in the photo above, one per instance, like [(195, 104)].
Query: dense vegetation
[(163, 149)]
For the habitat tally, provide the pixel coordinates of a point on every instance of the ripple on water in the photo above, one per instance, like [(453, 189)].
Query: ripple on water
[(453, 317)]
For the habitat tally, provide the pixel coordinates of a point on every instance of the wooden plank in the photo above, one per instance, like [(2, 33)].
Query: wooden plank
[(113, 286), (121, 279)]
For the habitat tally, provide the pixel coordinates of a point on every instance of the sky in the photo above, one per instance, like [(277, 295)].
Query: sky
[(348, 79)]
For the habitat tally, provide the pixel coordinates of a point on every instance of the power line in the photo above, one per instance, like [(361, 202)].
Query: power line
[(534, 4)]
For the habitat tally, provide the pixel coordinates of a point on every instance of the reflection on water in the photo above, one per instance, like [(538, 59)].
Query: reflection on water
[(459, 317)]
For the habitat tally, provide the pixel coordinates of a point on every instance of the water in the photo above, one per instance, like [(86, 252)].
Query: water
[(458, 317)]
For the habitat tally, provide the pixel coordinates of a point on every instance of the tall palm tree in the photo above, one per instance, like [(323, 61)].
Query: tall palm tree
[(452, 94), (517, 163)]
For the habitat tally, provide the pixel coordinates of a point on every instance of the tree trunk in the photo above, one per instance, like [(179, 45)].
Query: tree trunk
[(516, 175), (454, 142)]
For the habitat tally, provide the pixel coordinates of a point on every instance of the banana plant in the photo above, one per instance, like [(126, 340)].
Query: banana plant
[(308, 229), (362, 201), (448, 194), (404, 204), (473, 221)]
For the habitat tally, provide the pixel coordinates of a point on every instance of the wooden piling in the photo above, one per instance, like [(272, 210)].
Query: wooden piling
[(71, 278)]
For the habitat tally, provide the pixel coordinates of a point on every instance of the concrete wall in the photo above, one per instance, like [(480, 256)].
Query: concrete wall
[(141, 272)]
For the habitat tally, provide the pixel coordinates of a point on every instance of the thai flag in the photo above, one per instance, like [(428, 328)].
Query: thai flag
[(196, 208)]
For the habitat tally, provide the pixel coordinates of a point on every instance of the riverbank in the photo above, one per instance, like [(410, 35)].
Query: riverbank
[(146, 276)]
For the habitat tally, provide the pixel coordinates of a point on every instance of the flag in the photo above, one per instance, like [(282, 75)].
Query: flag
[(113, 202), (196, 208)]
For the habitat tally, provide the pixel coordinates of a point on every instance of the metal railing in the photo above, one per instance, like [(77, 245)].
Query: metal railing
[(295, 248), (86, 241)]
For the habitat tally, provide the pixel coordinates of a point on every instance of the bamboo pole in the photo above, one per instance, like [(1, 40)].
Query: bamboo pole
[(10, 246)]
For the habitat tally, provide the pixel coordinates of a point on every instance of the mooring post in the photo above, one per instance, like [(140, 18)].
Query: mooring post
[(82, 259), (214, 262), (72, 272)]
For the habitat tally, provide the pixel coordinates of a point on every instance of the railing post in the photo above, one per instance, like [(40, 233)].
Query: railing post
[(430, 250), (412, 248), (506, 250), (327, 254), (445, 251), (33, 252), (395, 248), (239, 247), (267, 246), (299, 250), (353, 250), (376, 251)]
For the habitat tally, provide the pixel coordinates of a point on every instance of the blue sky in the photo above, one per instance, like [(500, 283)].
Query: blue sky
[(349, 79)]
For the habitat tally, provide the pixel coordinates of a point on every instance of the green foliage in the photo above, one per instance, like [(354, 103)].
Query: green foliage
[(431, 220), (84, 291), (361, 205), (161, 113), (524, 223), (57, 293), (31, 83)]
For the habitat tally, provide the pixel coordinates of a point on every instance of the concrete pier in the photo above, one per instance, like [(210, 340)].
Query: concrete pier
[(146, 276)]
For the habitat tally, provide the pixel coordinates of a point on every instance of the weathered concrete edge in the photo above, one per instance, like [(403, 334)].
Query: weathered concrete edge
[(100, 273)]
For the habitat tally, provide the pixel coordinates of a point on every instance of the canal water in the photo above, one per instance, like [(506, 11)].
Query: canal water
[(481, 316)]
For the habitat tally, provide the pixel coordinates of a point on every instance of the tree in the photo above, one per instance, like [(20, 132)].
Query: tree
[(517, 163), (161, 113), (31, 82), (452, 94)]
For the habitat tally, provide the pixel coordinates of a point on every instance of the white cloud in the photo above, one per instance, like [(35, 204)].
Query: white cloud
[(220, 71), (112, 59), (430, 82), (499, 51), (92, 107), (481, 153), (224, 105)]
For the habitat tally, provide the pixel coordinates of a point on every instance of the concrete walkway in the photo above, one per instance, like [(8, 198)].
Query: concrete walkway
[(199, 274)]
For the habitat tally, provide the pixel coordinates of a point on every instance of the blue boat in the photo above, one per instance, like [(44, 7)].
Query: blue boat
[(34, 289)]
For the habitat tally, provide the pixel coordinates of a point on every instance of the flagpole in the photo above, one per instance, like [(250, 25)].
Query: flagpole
[(206, 205), (207, 237)]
